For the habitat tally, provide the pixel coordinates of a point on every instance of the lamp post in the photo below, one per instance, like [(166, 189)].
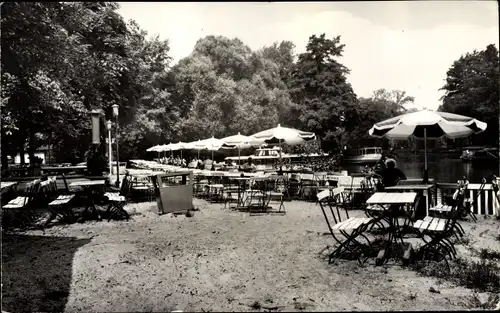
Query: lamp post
[(110, 148), (115, 114)]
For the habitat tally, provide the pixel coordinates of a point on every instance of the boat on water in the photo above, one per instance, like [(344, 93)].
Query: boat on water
[(267, 158), (476, 153), (366, 155)]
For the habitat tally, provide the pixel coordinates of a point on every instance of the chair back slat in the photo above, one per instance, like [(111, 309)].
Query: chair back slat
[(32, 192), (126, 186), (329, 203)]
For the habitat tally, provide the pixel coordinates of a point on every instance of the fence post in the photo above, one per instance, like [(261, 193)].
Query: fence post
[(496, 202)]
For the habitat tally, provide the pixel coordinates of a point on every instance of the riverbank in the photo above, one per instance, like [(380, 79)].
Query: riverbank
[(217, 260)]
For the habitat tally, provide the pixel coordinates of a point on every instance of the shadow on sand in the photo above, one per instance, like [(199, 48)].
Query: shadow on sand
[(36, 273)]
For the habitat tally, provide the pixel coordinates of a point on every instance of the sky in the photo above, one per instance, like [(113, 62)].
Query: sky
[(405, 45)]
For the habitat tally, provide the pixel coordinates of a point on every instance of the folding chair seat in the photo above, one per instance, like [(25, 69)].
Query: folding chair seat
[(469, 202), (458, 209), (229, 192), (345, 230), (60, 207), (440, 229), (117, 200), (57, 202), (257, 195), (277, 191), (21, 208), (141, 188)]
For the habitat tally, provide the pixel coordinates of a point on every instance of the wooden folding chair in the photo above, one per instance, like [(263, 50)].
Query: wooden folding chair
[(230, 192), (469, 202), (453, 210), (439, 230), (22, 208), (343, 226), (279, 191), (59, 206), (142, 188), (117, 200)]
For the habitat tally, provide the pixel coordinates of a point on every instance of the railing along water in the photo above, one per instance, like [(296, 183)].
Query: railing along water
[(484, 200)]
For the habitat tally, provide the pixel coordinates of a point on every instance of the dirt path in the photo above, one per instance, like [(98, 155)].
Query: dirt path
[(217, 260)]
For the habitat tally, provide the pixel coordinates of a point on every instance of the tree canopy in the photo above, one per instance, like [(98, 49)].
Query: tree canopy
[(471, 89)]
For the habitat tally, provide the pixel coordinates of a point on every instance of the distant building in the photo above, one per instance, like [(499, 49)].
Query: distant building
[(42, 152)]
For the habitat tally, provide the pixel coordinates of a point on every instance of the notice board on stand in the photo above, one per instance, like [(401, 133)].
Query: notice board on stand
[(173, 191)]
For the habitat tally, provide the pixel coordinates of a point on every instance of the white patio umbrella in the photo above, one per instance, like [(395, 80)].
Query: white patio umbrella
[(427, 125), (212, 144), (280, 135), (180, 146), (155, 149), (237, 141), (198, 146), (165, 148)]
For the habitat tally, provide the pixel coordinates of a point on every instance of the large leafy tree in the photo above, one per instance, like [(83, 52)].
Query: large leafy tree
[(471, 89), (153, 117), (396, 100), (60, 60), (382, 105), (223, 88), (319, 86)]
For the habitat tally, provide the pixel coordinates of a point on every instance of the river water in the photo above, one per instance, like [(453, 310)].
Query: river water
[(442, 168)]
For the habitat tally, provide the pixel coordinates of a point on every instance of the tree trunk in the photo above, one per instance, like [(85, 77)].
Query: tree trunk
[(50, 148), (31, 148), (5, 161), (21, 151)]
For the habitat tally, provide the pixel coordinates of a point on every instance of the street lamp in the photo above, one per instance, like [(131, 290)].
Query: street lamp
[(115, 114), (110, 148)]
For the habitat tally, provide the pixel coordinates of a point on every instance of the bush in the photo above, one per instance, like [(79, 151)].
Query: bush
[(483, 275)]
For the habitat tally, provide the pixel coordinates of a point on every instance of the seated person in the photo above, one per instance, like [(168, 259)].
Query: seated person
[(249, 166), (380, 166), (391, 175), (193, 163), (226, 165), (201, 165), (208, 163)]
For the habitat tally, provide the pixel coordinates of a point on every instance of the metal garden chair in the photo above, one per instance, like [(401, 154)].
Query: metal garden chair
[(117, 200), (439, 230), (58, 205), (344, 229), (21, 210)]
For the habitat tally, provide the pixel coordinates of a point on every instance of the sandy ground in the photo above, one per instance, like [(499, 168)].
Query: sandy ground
[(217, 260)]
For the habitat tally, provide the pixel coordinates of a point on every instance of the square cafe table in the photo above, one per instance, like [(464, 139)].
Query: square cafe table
[(391, 204), (7, 184), (425, 188), (8, 189)]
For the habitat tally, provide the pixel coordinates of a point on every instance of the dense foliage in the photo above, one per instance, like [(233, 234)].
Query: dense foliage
[(60, 60), (471, 89)]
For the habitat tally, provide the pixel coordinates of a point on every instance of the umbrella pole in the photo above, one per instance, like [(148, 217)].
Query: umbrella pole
[(239, 158), (198, 154), (426, 173), (281, 160)]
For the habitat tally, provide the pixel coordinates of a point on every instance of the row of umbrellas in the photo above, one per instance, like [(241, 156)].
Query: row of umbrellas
[(276, 135), (422, 125)]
